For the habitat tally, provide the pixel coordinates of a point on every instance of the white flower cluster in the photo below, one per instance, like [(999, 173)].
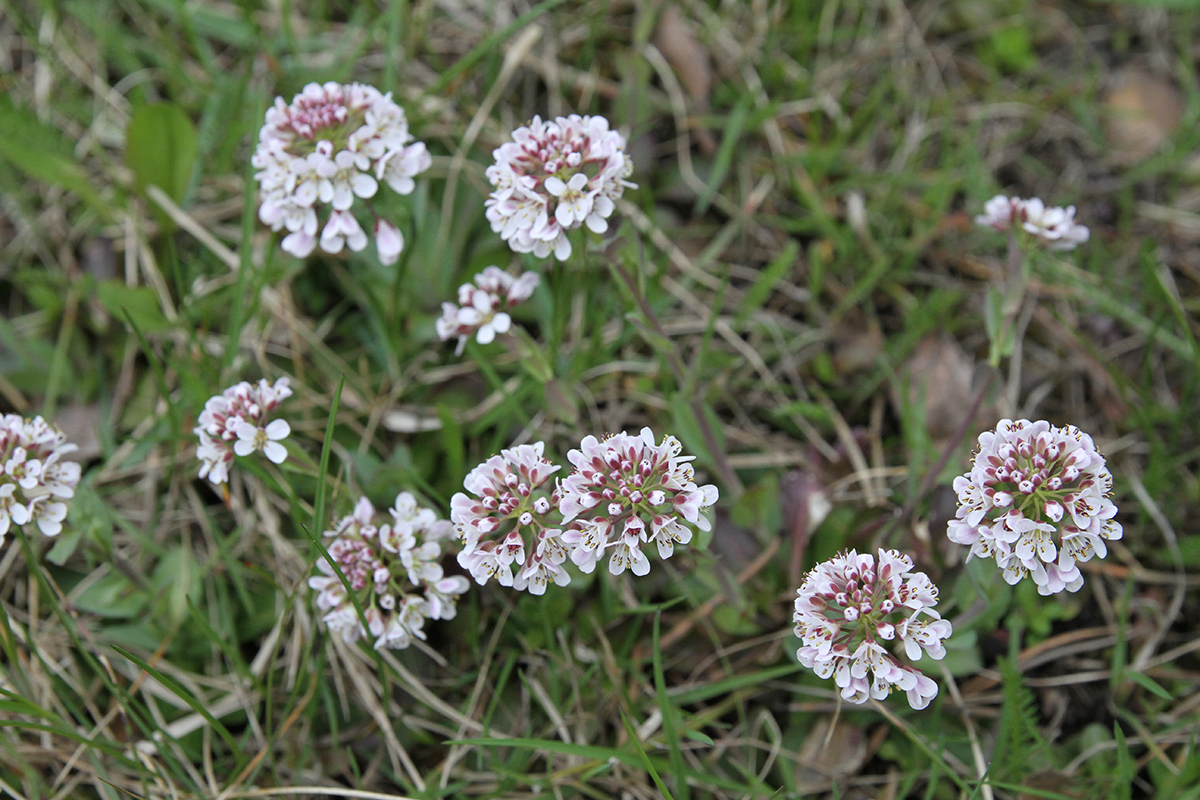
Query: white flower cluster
[(34, 480), (483, 306), (1036, 500), (333, 144), (1054, 226), (555, 176), (235, 422), (850, 604), (387, 562), (630, 490)]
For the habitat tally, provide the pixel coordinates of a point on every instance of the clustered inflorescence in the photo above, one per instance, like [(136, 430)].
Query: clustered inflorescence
[(848, 606), (35, 482), (333, 144), (1053, 226), (391, 565), (624, 491), (483, 306), (1036, 500), (555, 176), (630, 490), (235, 422)]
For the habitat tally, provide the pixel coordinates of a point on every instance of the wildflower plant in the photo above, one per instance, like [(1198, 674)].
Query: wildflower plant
[(482, 308), (508, 523), (35, 482), (238, 422), (1034, 221), (555, 176), (1037, 501), (333, 145), (625, 491), (390, 563), (849, 606)]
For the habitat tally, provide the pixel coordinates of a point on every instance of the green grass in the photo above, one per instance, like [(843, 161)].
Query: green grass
[(166, 644)]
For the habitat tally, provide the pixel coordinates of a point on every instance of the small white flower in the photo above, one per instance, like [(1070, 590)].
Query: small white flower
[(389, 241), (252, 438)]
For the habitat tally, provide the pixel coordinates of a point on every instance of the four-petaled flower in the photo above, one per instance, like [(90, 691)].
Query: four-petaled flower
[(848, 606), (554, 176), (387, 564), (1036, 500), (332, 145)]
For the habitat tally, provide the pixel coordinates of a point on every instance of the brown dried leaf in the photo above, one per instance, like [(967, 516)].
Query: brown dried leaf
[(938, 376), (675, 40), (689, 59), (1141, 111), (80, 424), (826, 757)]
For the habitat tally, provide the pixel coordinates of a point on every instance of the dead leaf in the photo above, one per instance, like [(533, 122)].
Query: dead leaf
[(1142, 110), (938, 379), (825, 757), (857, 347), (80, 423), (804, 504), (691, 62)]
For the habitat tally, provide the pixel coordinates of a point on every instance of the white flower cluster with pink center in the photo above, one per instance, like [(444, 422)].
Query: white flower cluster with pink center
[(238, 422), (35, 482), (848, 606), (555, 176), (625, 491), (1036, 500), (483, 306), (333, 144), (1054, 226), (391, 565), (509, 528)]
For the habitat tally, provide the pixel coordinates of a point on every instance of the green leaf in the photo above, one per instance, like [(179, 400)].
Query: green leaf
[(1149, 684), (41, 153), (139, 302), (160, 148)]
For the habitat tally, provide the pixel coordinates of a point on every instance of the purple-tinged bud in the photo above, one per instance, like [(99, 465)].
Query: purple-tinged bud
[(525, 519), (1025, 487), (851, 613), (614, 509), (541, 505), (1054, 484)]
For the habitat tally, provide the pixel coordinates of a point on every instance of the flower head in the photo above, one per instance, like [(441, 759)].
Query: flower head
[(506, 524), (391, 565), (237, 422), (332, 145), (1036, 500), (482, 307), (555, 176), (849, 606), (626, 490), (35, 482), (1053, 226)]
